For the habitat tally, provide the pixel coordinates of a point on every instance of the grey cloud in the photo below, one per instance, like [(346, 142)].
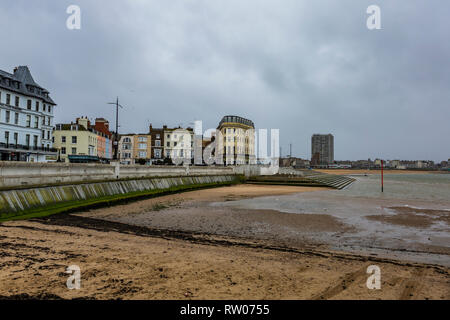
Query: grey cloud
[(302, 66)]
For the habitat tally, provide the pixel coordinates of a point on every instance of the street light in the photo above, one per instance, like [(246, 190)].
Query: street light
[(116, 143)]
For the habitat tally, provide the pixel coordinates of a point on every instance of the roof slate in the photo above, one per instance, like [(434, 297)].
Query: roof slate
[(23, 75)]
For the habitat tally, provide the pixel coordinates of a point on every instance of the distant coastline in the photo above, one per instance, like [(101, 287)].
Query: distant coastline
[(378, 171)]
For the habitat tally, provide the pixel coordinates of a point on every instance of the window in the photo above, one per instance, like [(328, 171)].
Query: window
[(36, 122), (74, 150), (17, 101), (181, 153), (16, 138), (168, 144), (43, 106), (142, 154), (48, 135), (8, 99), (37, 105), (49, 109), (157, 154), (35, 141), (48, 121), (7, 137), (63, 150), (27, 140), (158, 136), (157, 143), (168, 154), (43, 121), (43, 134), (63, 139), (142, 146), (142, 139), (175, 144), (74, 139), (29, 104), (7, 116), (28, 121)]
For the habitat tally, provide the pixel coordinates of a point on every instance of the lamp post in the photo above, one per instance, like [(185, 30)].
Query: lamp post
[(116, 142)]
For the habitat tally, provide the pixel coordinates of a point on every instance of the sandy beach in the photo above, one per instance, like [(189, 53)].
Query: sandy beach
[(173, 248)]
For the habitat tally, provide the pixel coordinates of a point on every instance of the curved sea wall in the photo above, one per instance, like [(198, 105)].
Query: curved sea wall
[(26, 201), (15, 174)]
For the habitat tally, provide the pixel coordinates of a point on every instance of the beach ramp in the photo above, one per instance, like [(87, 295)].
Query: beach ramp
[(304, 178)]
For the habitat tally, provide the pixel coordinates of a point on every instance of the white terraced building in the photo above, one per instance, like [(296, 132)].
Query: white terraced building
[(26, 118)]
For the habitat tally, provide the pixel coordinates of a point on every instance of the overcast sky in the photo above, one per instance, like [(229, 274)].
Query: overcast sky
[(301, 66)]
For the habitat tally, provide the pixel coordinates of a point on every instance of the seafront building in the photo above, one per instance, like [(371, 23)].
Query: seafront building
[(157, 144), (26, 118), (238, 137), (322, 149), (135, 148), (179, 144), (126, 145), (104, 139), (81, 142), (142, 150), (297, 163)]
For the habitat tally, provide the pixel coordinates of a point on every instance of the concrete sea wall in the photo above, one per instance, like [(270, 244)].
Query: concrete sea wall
[(25, 174), (18, 201)]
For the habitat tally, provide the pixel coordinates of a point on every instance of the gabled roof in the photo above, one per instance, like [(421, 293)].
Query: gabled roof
[(23, 77)]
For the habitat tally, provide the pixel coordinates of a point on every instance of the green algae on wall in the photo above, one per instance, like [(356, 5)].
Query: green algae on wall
[(19, 202)]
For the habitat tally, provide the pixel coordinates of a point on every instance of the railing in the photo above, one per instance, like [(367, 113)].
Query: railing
[(25, 147)]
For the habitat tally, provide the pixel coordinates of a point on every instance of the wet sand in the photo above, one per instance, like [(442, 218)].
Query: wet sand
[(414, 217), (332, 221), (195, 212), (119, 262), (176, 247)]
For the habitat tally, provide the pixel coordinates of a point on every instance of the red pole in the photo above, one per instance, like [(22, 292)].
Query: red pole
[(382, 176)]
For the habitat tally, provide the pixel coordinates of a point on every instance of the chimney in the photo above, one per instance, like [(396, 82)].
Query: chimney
[(84, 122)]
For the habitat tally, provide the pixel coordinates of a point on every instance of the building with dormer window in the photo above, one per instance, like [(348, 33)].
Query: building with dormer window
[(26, 118)]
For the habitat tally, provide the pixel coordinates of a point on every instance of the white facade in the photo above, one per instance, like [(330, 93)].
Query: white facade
[(179, 145), (26, 120), (126, 147)]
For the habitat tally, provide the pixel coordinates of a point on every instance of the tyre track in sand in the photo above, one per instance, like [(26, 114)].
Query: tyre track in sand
[(343, 283), (412, 286)]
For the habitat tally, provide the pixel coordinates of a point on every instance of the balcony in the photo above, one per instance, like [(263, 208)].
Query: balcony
[(24, 148)]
